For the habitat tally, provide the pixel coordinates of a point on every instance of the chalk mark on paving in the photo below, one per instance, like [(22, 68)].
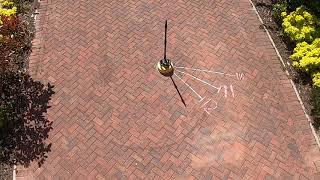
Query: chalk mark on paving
[(239, 76)]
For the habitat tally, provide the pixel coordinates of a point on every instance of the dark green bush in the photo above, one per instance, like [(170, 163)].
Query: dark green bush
[(24, 6), (313, 5), (278, 8), (293, 4)]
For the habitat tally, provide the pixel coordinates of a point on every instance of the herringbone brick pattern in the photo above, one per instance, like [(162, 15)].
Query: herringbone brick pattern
[(116, 117)]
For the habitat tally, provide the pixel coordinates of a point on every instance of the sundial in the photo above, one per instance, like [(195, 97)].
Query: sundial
[(167, 69), (165, 66)]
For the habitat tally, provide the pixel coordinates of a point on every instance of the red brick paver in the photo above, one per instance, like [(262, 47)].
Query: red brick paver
[(116, 117)]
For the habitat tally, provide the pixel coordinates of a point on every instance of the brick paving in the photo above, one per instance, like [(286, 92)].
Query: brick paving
[(116, 117)]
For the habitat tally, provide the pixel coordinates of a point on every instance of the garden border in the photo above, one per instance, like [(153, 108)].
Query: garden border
[(32, 64), (287, 73)]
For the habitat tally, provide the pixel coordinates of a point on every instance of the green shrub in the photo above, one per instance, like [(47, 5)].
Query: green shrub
[(300, 25), (293, 4), (279, 8), (312, 5), (24, 6), (306, 57)]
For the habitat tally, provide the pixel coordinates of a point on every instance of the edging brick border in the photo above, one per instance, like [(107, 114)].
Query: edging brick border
[(33, 68)]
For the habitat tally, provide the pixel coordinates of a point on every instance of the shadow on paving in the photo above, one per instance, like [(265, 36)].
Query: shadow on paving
[(23, 125), (175, 86)]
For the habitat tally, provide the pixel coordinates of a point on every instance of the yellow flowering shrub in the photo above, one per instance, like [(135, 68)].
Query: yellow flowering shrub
[(306, 57), (316, 79), (300, 25), (7, 9)]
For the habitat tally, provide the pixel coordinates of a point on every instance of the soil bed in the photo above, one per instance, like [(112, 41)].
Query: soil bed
[(5, 172)]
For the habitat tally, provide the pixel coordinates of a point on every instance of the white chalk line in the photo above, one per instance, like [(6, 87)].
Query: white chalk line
[(201, 98), (225, 91), (205, 103), (209, 109), (232, 92), (203, 70), (189, 87), (219, 89), (239, 76), (200, 80)]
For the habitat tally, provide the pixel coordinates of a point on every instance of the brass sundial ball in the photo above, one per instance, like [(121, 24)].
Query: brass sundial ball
[(165, 67)]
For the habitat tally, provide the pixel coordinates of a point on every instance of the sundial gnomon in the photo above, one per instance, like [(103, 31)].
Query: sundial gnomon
[(166, 68)]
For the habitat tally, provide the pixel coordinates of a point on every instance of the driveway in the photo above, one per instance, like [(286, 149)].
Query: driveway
[(116, 117)]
